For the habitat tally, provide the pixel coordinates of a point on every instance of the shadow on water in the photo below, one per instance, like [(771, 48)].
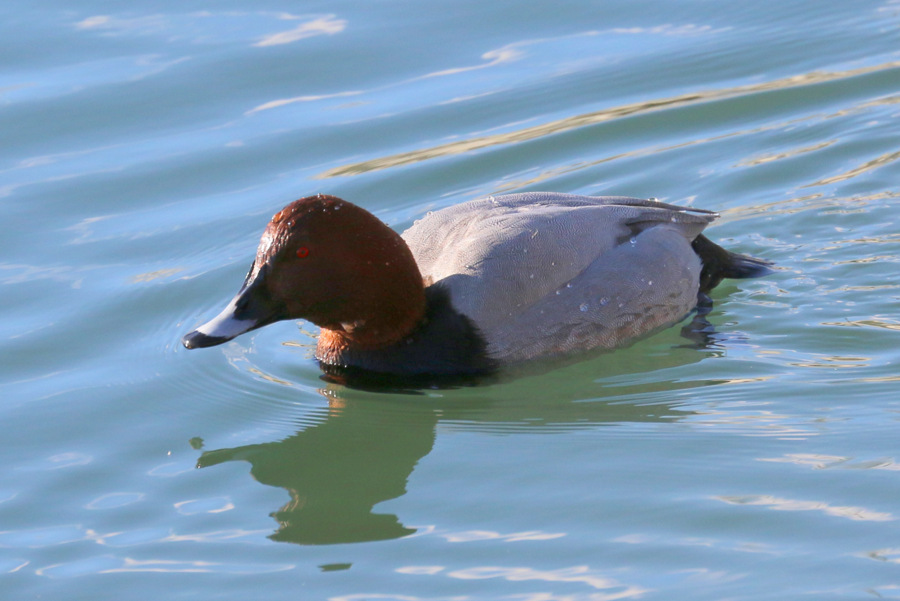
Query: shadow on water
[(365, 450)]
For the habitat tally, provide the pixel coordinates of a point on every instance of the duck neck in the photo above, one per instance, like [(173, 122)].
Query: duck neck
[(391, 319)]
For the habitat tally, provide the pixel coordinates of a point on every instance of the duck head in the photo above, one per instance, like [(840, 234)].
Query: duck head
[(334, 264)]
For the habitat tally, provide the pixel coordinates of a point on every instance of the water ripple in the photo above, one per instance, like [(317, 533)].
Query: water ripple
[(587, 119)]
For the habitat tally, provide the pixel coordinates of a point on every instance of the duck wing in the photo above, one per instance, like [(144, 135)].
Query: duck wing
[(506, 261)]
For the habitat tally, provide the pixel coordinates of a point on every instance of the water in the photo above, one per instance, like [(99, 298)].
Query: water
[(145, 147)]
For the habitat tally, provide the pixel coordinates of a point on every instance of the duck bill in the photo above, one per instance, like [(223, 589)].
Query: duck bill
[(250, 309)]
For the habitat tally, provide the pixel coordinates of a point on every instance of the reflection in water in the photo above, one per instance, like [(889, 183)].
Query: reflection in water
[(363, 453), (337, 471)]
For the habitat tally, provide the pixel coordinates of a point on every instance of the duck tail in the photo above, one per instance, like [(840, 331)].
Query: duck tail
[(719, 264)]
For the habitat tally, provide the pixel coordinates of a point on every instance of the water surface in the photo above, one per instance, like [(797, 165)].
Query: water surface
[(147, 145)]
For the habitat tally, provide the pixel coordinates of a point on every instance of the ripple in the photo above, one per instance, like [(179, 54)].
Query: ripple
[(36, 538), (261, 377), (780, 504), (109, 564), (115, 500), (198, 506), (609, 114), (826, 462), (468, 536), (134, 537), (9, 566), (880, 161), (582, 574), (58, 461), (171, 469)]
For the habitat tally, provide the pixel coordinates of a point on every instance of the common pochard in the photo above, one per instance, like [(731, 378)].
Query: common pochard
[(478, 286)]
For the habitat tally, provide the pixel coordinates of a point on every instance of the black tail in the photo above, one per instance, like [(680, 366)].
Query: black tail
[(719, 264)]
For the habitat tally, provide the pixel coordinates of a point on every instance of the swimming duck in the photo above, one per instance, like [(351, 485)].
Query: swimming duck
[(478, 286)]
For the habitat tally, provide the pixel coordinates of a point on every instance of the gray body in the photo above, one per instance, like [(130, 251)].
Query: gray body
[(548, 274)]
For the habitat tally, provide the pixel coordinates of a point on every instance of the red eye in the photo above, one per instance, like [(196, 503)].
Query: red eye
[(303, 252)]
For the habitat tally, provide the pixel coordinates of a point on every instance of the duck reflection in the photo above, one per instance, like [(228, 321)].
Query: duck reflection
[(338, 470), (367, 446)]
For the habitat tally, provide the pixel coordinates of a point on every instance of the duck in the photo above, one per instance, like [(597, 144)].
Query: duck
[(477, 287)]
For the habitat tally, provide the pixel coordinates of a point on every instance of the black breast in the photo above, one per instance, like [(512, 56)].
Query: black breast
[(446, 349)]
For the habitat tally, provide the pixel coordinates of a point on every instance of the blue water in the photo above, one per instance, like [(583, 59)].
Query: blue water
[(145, 146)]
